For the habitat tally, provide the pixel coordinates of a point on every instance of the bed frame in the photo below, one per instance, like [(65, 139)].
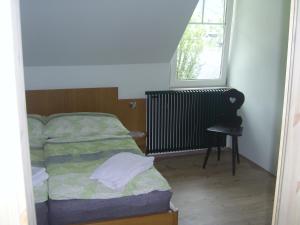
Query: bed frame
[(168, 218), (47, 102)]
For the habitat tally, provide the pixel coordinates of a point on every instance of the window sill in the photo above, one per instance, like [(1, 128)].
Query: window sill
[(198, 83), (198, 87)]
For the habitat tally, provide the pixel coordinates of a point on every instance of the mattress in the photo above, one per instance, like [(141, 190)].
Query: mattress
[(41, 203), (41, 211), (63, 212)]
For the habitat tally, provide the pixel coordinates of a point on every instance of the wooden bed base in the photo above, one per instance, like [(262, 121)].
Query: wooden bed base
[(167, 218)]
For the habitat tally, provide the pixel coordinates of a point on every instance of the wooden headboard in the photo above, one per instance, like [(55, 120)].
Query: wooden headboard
[(46, 102)]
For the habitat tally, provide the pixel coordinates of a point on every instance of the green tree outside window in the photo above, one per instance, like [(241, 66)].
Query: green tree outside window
[(189, 49)]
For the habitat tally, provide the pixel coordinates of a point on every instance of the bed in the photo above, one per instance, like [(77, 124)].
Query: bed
[(36, 141), (80, 142), (40, 192), (76, 144)]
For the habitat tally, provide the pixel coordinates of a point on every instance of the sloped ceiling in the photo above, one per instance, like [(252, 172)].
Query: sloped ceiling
[(102, 32)]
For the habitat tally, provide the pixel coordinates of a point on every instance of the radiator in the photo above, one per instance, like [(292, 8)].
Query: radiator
[(177, 120)]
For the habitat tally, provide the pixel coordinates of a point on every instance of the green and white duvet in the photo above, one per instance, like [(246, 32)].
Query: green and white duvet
[(40, 193), (37, 159), (70, 165)]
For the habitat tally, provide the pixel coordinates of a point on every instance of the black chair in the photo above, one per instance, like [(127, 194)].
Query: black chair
[(229, 123)]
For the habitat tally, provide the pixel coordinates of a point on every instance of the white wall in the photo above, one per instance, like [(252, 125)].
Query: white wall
[(102, 32), (133, 80), (257, 68)]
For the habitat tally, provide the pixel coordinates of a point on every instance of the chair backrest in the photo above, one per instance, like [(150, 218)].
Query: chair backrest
[(234, 100)]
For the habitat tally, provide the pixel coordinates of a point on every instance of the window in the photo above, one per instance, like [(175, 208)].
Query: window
[(201, 55)]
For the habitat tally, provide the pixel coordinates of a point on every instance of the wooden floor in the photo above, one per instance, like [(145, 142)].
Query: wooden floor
[(213, 196)]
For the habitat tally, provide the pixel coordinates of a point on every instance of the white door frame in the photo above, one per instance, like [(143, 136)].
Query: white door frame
[(17, 204), (21, 203), (287, 200)]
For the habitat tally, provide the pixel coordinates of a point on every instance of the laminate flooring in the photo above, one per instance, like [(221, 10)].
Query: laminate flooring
[(212, 196)]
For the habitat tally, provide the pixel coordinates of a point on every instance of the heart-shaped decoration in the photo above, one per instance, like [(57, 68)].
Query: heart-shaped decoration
[(232, 99)]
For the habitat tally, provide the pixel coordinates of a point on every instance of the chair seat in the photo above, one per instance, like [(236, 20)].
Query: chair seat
[(226, 130)]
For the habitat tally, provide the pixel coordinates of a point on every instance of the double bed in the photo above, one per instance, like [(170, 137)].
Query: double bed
[(75, 145)]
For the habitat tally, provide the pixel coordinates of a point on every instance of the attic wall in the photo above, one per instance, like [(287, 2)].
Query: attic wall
[(102, 32), (257, 68), (133, 80), (77, 44)]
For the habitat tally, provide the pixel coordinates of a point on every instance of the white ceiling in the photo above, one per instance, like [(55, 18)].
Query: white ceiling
[(102, 32)]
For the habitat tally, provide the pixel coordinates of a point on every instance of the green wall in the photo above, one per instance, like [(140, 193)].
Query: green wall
[(257, 68)]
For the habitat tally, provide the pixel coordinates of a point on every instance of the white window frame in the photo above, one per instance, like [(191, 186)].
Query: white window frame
[(176, 83)]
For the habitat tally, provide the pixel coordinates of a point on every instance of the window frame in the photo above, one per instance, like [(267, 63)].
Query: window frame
[(176, 83)]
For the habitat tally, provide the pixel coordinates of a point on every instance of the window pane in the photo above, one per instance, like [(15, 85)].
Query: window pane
[(197, 15), (199, 54), (214, 11)]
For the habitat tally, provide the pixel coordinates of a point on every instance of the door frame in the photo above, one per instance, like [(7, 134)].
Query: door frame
[(283, 198), (16, 191), (286, 202)]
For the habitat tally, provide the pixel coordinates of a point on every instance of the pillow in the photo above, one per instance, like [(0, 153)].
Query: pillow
[(70, 125), (36, 130)]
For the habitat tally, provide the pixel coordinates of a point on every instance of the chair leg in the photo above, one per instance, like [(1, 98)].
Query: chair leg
[(219, 148), (237, 150), (233, 156), (206, 157)]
